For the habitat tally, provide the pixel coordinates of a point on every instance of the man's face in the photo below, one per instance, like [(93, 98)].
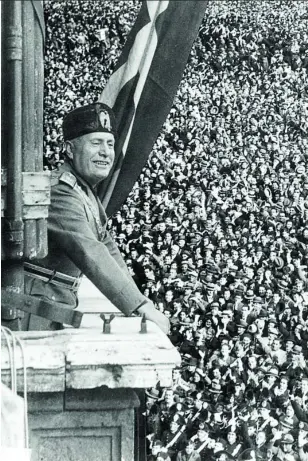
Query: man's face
[(260, 438), (289, 411), (129, 228), (92, 156), (174, 427), (231, 437), (286, 447), (276, 345), (189, 449), (283, 384), (252, 363), (169, 396), (304, 385)]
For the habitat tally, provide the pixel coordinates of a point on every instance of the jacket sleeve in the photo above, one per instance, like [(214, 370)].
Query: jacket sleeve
[(100, 261)]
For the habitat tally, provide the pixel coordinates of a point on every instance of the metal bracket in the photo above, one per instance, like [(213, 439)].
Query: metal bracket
[(143, 328), (107, 321)]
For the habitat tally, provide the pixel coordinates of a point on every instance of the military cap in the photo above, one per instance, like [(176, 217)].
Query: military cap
[(92, 118)]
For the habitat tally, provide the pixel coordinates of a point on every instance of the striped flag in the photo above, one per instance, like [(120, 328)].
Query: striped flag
[(142, 88)]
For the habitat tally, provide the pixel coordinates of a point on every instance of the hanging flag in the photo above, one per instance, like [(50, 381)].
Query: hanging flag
[(142, 88)]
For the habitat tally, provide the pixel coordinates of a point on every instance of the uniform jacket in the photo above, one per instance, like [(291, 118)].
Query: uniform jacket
[(79, 243)]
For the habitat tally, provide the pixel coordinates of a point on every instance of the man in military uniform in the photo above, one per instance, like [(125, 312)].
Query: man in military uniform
[(202, 442), (78, 240), (174, 438)]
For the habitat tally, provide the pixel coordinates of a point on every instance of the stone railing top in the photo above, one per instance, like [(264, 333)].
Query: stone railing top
[(86, 358)]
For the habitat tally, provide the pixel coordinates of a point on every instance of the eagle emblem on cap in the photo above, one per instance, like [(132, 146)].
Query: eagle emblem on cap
[(104, 119)]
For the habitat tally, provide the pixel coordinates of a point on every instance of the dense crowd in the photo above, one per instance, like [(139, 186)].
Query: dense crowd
[(215, 231)]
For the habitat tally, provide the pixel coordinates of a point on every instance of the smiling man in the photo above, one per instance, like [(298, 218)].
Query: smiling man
[(78, 240)]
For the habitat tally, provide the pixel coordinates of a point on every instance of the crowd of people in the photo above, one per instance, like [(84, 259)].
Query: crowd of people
[(215, 231)]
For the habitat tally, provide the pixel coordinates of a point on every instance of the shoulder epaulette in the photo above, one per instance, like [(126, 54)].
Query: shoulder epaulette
[(68, 178)]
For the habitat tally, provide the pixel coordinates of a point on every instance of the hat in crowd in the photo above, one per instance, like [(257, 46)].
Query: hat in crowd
[(153, 393), (258, 300), (290, 338), (297, 349), (188, 285), (189, 402), (273, 371), (287, 438), (239, 289), (210, 286), (93, 118), (215, 387), (286, 422), (211, 269), (192, 273), (249, 295), (282, 284)]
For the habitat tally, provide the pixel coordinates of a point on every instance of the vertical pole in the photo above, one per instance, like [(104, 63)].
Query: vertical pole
[(29, 120), (41, 227), (12, 270)]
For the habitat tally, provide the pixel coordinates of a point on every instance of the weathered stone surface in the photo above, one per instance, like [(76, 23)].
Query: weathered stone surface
[(80, 436), (45, 367), (86, 358)]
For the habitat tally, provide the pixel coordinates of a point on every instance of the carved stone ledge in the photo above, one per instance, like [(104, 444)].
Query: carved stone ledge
[(86, 358)]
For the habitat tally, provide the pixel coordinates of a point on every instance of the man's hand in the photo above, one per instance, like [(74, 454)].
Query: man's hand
[(151, 313)]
